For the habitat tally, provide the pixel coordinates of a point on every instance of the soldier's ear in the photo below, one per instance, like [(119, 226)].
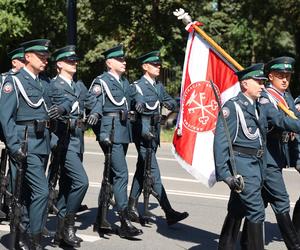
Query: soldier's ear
[(145, 66), (271, 76)]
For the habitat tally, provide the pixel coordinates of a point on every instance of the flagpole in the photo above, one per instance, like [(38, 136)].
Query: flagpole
[(187, 20), (218, 48)]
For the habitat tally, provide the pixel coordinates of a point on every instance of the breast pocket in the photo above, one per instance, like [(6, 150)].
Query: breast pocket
[(34, 95)]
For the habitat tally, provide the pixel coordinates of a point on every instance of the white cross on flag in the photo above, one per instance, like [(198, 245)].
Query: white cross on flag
[(194, 133)]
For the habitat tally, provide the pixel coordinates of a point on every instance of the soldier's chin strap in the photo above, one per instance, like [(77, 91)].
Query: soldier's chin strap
[(231, 154)]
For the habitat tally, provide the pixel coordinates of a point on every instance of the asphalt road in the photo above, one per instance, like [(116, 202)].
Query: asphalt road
[(207, 209)]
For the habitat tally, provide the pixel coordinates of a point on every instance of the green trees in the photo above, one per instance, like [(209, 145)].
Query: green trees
[(250, 31)]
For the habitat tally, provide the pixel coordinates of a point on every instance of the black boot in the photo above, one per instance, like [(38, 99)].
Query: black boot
[(172, 216), (288, 231), (133, 214), (244, 236), (102, 225), (69, 237), (21, 243), (59, 231), (229, 233), (36, 241), (254, 236), (296, 217), (127, 230)]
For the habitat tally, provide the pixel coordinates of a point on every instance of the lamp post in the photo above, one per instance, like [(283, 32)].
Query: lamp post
[(71, 22)]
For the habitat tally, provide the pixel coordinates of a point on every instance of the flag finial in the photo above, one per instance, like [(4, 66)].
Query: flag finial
[(182, 15)]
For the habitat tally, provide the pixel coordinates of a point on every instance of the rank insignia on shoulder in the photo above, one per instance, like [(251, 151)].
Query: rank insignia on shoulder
[(264, 100), (226, 112), (97, 89), (7, 88)]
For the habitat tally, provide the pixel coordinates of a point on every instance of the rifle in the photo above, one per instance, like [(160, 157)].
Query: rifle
[(148, 180), (16, 206), (3, 181), (57, 161), (106, 192)]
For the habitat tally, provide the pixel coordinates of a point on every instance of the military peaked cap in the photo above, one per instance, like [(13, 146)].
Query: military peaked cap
[(16, 54), (282, 64), (151, 57), (114, 52), (65, 53), (38, 45), (255, 71)]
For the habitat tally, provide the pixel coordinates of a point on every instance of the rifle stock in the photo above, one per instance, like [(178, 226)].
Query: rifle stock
[(106, 191), (16, 205), (57, 161), (3, 180), (148, 181)]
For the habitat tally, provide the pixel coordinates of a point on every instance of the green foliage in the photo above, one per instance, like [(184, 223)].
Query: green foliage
[(250, 31)]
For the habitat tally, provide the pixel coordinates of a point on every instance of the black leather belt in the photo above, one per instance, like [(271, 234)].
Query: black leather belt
[(34, 122), (115, 114), (284, 136), (249, 151)]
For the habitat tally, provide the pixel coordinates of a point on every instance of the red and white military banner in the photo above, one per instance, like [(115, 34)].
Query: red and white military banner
[(194, 132)]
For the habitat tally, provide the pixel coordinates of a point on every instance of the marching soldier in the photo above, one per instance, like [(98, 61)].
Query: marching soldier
[(295, 155), (115, 95), (25, 103), (279, 72), (17, 62), (243, 127), (274, 191), (146, 132), (73, 182)]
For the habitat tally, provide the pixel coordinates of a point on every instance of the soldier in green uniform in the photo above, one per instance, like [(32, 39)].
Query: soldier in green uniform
[(25, 102), (16, 57), (73, 182), (146, 133), (17, 62), (247, 128), (115, 94), (279, 71)]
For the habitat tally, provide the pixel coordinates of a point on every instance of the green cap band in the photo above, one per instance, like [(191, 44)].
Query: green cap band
[(255, 73), (151, 59), (37, 48), (113, 54), (65, 54), (282, 66), (18, 55)]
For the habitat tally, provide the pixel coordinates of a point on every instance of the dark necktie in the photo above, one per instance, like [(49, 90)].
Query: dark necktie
[(73, 84), (37, 79)]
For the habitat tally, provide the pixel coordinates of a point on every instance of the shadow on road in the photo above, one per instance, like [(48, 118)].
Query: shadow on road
[(272, 233), (180, 231)]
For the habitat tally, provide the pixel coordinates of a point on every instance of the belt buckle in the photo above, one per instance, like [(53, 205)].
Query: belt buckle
[(285, 138), (259, 153)]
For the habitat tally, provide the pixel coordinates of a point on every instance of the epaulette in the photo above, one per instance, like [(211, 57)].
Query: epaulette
[(10, 73), (297, 100), (263, 100), (234, 99)]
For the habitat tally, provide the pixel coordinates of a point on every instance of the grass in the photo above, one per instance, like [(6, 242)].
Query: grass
[(166, 135)]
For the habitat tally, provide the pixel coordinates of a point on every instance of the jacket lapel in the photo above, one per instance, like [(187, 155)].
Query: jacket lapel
[(66, 87), (31, 81), (150, 86), (247, 105)]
